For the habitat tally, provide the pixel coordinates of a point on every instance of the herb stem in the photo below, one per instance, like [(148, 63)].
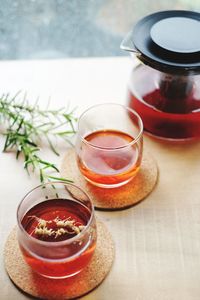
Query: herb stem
[(25, 126)]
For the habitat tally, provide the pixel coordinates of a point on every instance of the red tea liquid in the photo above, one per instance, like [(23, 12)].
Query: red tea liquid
[(168, 108), (60, 261), (105, 166)]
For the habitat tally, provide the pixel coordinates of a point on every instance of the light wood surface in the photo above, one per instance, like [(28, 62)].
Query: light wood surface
[(158, 240)]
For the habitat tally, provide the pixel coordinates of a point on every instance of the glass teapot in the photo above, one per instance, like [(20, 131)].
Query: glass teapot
[(164, 87)]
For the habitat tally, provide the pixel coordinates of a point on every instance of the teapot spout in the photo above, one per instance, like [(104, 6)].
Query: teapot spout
[(127, 43)]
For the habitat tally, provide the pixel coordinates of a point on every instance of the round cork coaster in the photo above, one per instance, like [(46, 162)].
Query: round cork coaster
[(114, 198), (60, 289)]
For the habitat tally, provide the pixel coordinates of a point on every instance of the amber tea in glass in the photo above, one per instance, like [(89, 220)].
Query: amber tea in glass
[(109, 145), (56, 230)]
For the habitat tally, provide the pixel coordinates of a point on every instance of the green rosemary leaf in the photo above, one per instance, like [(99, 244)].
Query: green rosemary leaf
[(30, 142), (6, 143), (52, 146), (60, 179), (17, 154), (27, 124), (65, 132), (20, 125), (45, 124), (49, 165), (34, 149), (41, 176)]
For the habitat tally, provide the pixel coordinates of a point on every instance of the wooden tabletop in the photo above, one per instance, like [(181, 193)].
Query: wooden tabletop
[(157, 241)]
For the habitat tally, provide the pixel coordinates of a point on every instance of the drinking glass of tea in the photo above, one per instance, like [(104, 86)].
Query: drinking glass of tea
[(56, 229), (109, 144)]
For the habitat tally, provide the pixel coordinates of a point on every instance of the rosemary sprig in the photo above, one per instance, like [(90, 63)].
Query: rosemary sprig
[(26, 125), (56, 227)]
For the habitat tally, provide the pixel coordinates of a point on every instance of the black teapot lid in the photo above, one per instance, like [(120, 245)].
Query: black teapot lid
[(168, 41)]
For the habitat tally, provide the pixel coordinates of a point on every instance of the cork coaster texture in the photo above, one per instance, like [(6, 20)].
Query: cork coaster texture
[(114, 198), (60, 289)]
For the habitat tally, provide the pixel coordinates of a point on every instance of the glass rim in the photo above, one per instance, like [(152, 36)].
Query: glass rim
[(54, 244), (141, 127)]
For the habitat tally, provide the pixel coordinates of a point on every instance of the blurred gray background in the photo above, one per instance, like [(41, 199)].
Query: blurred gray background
[(44, 29)]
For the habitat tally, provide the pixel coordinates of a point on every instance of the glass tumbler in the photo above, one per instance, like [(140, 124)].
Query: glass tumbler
[(109, 144), (56, 229)]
